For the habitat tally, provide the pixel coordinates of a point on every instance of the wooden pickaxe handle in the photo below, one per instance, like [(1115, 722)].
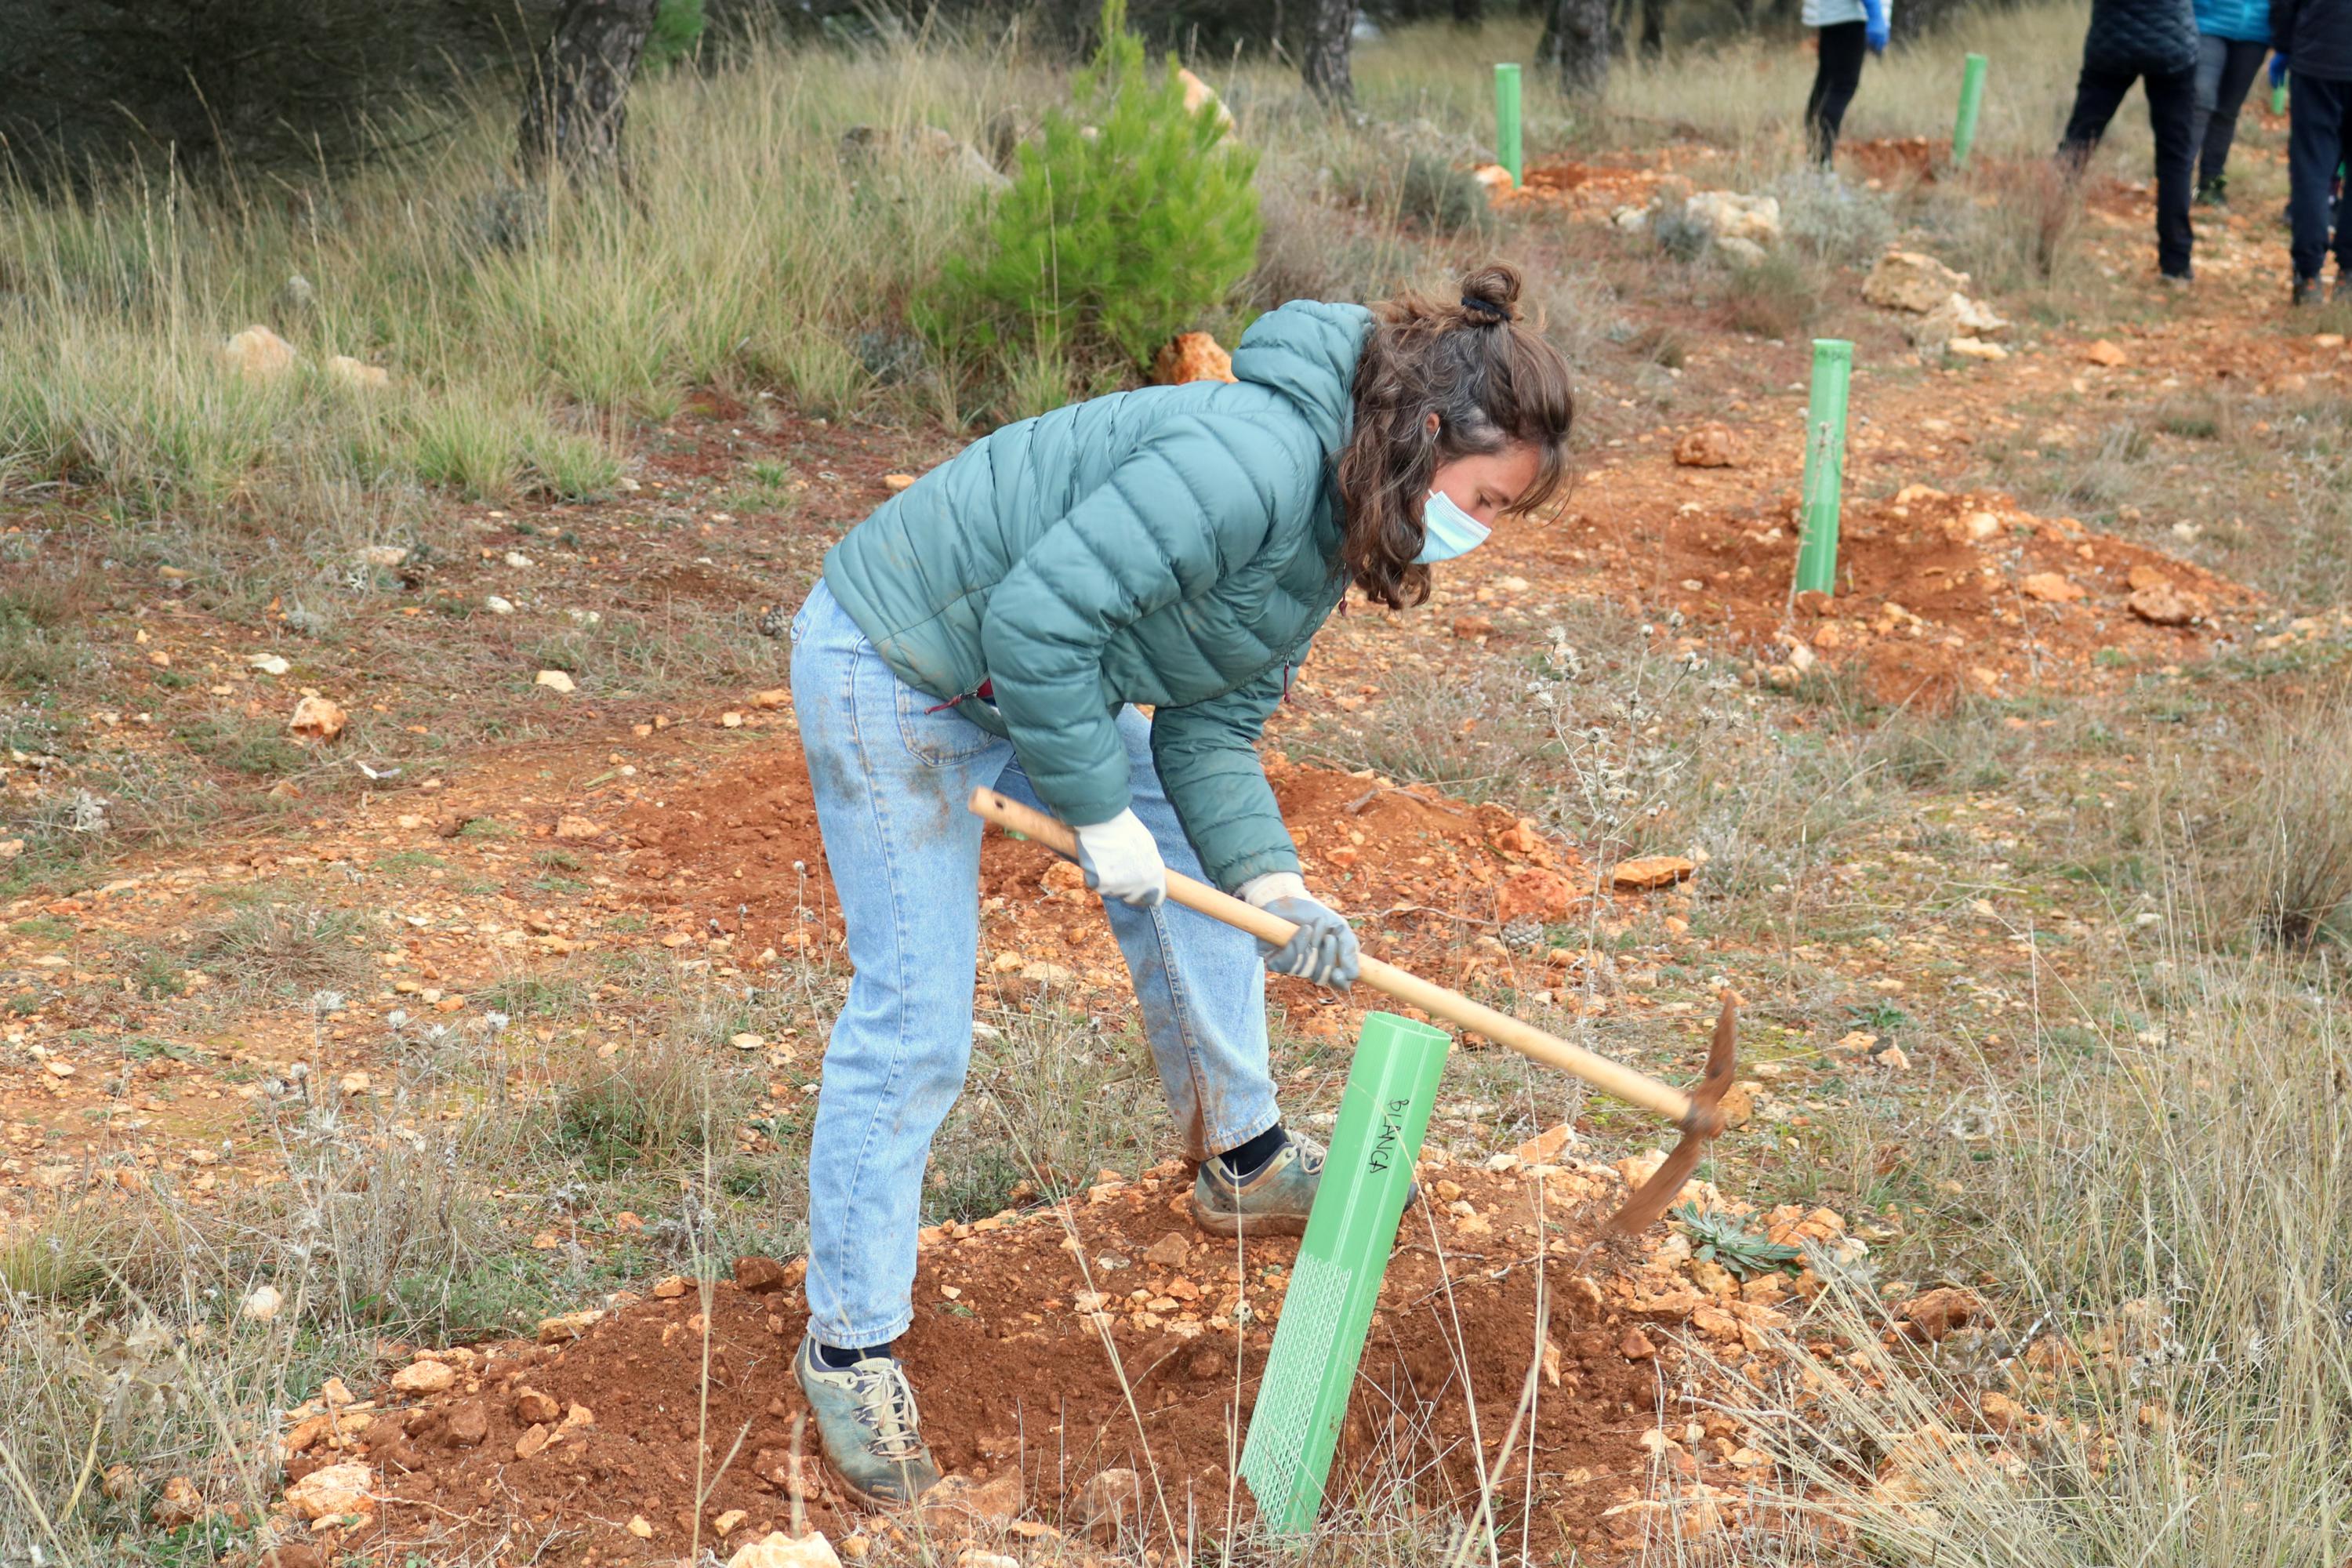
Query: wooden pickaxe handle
[(1609, 1078)]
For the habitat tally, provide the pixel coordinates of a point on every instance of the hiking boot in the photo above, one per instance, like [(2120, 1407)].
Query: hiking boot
[(2306, 291), (2342, 293), (868, 1424), (2214, 193), (1274, 1201)]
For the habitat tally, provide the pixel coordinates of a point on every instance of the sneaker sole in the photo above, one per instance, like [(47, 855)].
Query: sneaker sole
[(1236, 1224), (869, 1500), (1233, 1225)]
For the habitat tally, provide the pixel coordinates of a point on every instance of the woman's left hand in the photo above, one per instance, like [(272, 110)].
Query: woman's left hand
[(1322, 950)]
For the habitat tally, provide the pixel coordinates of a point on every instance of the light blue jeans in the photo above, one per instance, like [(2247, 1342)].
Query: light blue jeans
[(891, 770)]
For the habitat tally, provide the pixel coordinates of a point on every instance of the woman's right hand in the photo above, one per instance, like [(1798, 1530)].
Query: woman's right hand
[(1121, 860)]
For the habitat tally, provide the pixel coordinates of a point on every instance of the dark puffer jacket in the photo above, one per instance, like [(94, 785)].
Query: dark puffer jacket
[(2315, 37), (2155, 38), (1174, 546)]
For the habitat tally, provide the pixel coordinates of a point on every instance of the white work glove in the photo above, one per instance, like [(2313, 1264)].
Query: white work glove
[(1121, 860), (1322, 950)]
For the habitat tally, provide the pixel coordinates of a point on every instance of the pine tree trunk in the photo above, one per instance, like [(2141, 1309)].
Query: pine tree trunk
[(573, 114), (1576, 40), (1653, 28), (1469, 13), (1330, 26)]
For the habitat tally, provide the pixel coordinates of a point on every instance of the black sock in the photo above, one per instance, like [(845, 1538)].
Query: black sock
[(841, 1360), (1247, 1160)]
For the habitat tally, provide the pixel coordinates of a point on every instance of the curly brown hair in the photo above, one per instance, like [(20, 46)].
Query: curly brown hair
[(1492, 381)]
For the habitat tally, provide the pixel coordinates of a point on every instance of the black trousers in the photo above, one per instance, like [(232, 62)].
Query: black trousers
[(2226, 68), (1839, 72), (2171, 113), (2318, 137)]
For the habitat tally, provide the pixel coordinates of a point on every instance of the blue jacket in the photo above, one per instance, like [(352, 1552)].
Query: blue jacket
[(2247, 21)]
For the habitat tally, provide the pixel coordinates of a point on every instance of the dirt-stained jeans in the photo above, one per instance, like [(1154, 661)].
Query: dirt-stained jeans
[(892, 771)]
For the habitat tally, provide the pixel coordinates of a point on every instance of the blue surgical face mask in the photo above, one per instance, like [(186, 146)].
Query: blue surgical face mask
[(1446, 531)]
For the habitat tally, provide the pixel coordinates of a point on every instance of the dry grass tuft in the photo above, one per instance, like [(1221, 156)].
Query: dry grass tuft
[(2281, 859), (2162, 1223), (651, 1105), (2016, 225), (1776, 297), (284, 950)]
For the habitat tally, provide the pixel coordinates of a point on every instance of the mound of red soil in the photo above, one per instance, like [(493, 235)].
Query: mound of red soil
[(1936, 594), (1895, 159), (1584, 186), (738, 852), (1108, 1333)]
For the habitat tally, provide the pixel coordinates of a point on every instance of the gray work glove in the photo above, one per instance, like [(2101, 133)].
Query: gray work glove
[(1322, 950)]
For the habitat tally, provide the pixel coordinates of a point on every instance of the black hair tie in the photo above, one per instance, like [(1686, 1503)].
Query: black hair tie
[(1486, 307)]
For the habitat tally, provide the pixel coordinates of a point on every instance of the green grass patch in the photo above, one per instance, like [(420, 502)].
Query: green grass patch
[(259, 749), (523, 994)]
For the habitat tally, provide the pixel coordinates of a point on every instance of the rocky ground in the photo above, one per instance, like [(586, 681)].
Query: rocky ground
[(505, 854)]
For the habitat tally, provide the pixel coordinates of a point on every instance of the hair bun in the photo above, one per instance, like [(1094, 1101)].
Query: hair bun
[(1489, 293)]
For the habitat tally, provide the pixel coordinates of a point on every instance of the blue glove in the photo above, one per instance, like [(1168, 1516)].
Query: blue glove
[(1874, 24), (2278, 72), (1323, 949)]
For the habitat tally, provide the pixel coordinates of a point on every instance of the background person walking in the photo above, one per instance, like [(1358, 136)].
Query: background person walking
[(1846, 28), (2154, 43), (2233, 37), (2315, 37)]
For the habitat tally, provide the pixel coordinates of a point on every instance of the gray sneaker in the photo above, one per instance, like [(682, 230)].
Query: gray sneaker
[(866, 1421), (1274, 1201)]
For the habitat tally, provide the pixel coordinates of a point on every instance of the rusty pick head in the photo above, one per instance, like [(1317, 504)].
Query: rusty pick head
[(1700, 1128)]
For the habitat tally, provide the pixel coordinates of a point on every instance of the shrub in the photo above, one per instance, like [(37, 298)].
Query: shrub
[(677, 33), (1444, 198), (1132, 218), (1841, 224), (2014, 224), (1682, 236), (651, 1106), (1775, 297)]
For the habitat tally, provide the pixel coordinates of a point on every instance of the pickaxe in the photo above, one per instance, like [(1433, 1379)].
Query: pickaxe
[(1697, 1111)]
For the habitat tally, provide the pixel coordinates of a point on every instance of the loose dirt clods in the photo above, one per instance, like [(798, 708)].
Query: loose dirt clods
[(1062, 1351)]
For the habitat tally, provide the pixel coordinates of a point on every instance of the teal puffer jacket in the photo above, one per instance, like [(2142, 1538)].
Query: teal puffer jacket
[(1175, 546)]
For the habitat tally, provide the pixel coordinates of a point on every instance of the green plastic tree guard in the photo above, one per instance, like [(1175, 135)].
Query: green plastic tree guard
[(1964, 128), (1327, 1309), (1506, 120), (1824, 465), (2278, 95)]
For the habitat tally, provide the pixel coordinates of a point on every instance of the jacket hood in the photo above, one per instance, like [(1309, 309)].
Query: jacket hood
[(1306, 351)]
